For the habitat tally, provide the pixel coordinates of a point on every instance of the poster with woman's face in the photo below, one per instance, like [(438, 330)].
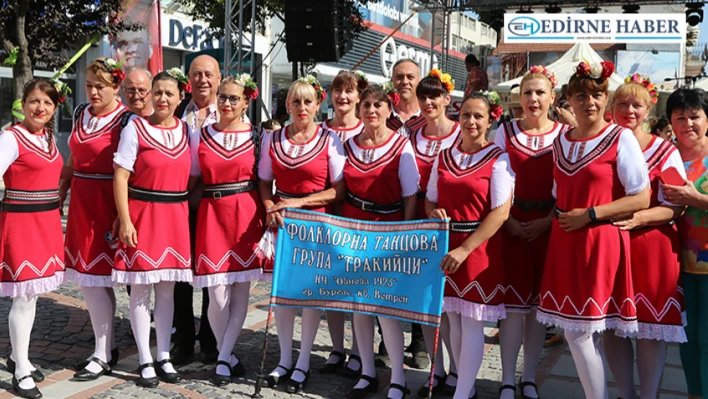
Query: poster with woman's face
[(140, 48)]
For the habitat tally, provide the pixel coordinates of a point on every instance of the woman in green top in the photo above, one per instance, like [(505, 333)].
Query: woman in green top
[(687, 109)]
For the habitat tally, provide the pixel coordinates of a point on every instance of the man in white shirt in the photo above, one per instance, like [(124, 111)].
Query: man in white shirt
[(197, 112)]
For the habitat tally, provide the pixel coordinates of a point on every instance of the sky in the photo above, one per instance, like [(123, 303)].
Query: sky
[(703, 38)]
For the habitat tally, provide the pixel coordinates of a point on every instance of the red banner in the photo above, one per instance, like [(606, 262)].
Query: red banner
[(141, 48)]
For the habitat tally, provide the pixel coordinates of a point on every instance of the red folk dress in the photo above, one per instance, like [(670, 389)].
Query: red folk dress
[(383, 174), (228, 227), (92, 209), (343, 133), (531, 158), (159, 160), (587, 281), (300, 169), (426, 150), (469, 186), (656, 258), (31, 243)]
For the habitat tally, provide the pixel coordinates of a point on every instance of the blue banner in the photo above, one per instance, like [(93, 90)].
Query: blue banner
[(387, 269)]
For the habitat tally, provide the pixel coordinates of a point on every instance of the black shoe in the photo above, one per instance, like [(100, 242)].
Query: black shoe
[(87, 375), (151, 382), (361, 393), (524, 384), (503, 387), (401, 388), (239, 370), (181, 356), (349, 372), (37, 375), (423, 391), (171, 378), (272, 380), (32, 393), (208, 357), (293, 386), (331, 368), (450, 389), (221, 380), (115, 353)]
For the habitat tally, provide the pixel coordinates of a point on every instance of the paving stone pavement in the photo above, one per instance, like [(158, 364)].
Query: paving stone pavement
[(62, 336)]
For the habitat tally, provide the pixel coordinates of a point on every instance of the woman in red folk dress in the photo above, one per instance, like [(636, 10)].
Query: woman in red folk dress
[(382, 180), (587, 281), (306, 162), (345, 90), (230, 221), (529, 144), (655, 244), (153, 165), (31, 250), (90, 242), (472, 185), (439, 133)]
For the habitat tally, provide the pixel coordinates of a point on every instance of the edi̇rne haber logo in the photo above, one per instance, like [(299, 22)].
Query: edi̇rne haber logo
[(595, 28)]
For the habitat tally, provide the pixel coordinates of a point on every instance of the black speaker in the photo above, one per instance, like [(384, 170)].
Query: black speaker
[(315, 30)]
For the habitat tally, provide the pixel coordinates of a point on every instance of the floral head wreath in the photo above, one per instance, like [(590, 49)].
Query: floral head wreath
[(392, 93), (542, 70), (601, 71), (495, 103), (184, 82), (250, 86), (62, 88), (362, 81), (321, 92), (115, 68), (445, 78), (645, 82)]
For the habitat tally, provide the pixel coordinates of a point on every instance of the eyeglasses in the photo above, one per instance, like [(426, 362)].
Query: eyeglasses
[(133, 92), (232, 99)]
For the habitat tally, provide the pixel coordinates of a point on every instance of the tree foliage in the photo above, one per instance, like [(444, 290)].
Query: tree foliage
[(47, 32)]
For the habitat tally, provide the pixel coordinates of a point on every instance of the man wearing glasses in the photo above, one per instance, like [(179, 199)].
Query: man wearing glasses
[(136, 91)]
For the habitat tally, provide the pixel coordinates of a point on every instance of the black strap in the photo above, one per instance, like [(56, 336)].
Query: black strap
[(217, 191), (101, 363), (464, 226), (256, 135), (28, 208), (284, 195), (144, 366), (168, 197), (557, 212), (400, 387), (125, 119), (77, 112), (368, 206), (528, 206)]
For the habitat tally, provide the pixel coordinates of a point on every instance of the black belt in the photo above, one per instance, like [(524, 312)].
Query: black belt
[(94, 176), (170, 197), (465, 226), (382, 209), (27, 208), (528, 206), (557, 212), (284, 195), (217, 191)]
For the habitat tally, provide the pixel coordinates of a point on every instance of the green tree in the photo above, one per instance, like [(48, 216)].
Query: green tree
[(47, 32)]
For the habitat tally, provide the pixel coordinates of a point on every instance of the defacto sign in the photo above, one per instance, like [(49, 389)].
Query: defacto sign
[(594, 28)]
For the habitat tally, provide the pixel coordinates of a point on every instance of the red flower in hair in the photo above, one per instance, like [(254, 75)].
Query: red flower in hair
[(324, 94), (607, 69), (188, 87), (394, 97), (497, 112), (361, 84), (118, 74), (251, 93), (583, 69)]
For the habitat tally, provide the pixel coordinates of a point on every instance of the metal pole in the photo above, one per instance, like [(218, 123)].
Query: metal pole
[(240, 34), (432, 38), (227, 39), (252, 69)]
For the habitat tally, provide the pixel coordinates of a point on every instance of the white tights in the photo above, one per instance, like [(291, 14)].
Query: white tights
[(518, 327), (285, 320), (335, 324), (140, 321), (467, 340), (651, 356), (101, 304), (587, 355), (429, 335), (20, 323), (228, 305)]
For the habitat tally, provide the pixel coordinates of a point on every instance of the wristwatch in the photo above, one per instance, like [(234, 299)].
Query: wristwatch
[(593, 217)]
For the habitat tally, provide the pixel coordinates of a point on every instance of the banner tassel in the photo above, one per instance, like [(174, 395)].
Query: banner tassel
[(432, 362), (261, 377)]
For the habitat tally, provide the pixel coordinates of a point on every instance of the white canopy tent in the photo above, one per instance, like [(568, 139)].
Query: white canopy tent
[(565, 67)]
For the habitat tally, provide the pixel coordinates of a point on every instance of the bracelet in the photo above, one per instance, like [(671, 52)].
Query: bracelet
[(593, 216)]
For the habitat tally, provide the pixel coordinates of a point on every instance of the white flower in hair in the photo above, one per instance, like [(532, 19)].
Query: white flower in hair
[(111, 62), (245, 77), (596, 71)]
